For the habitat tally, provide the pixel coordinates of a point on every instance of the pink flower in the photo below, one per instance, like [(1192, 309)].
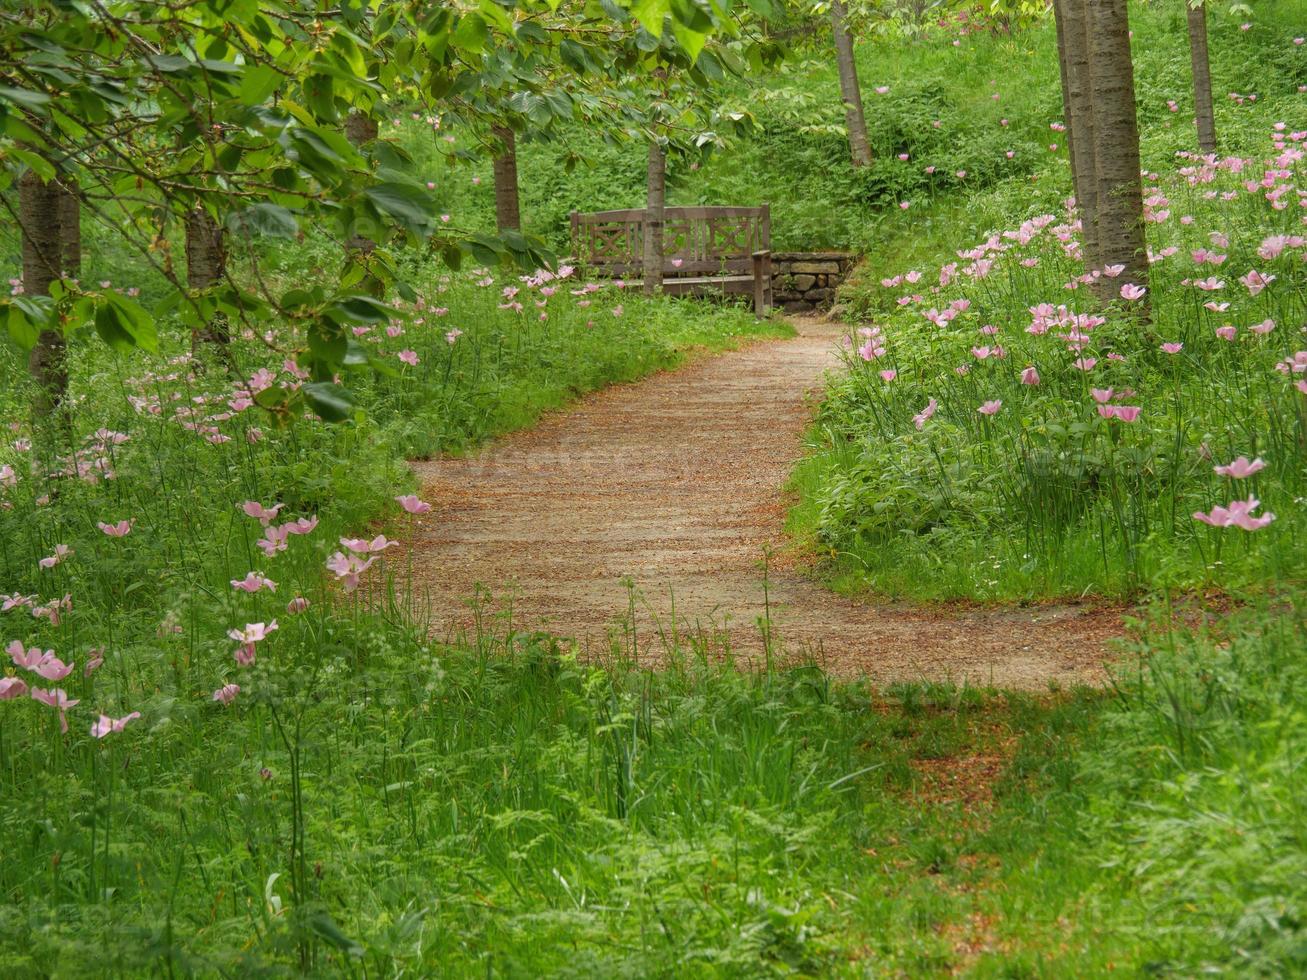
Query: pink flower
[(1084, 363), (363, 546), (274, 540), (61, 551), (451, 336), (106, 724), (882, 89), (253, 632), (408, 357), (1226, 332), (1029, 376), (1112, 271), (618, 310), (253, 582), (1132, 292), (52, 668), (253, 508), (1237, 514), (1241, 468), (56, 698), (412, 504), (1172, 348), (301, 525), (227, 693), (904, 205), (888, 375), (297, 605), (922, 417), (28, 659), (94, 658), (11, 688), (1255, 281), (990, 407), (1101, 395), (349, 568), (119, 530), (1265, 327)]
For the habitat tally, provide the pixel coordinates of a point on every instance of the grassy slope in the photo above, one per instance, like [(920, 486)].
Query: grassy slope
[(497, 808)]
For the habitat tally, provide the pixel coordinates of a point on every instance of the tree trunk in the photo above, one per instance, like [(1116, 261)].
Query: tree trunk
[(507, 210), (1073, 39), (206, 264), (1203, 115), (70, 227), (360, 128), (652, 252), (855, 121), (1116, 142), (38, 212)]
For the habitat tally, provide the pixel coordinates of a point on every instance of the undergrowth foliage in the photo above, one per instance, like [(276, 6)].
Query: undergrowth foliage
[(1030, 428)]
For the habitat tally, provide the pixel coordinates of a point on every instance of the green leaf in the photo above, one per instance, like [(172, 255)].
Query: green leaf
[(651, 13), (264, 219), (329, 400), (362, 309), (125, 324), (22, 330), (408, 204), (25, 98), (471, 34)]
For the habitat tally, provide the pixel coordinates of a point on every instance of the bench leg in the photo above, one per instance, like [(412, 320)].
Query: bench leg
[(761, 284)]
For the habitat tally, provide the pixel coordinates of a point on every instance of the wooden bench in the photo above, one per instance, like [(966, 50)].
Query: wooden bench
[(703, 248)]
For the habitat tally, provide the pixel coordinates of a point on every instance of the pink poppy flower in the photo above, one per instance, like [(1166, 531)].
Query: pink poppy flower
[(1172, 348), (94, 658), (990, 407), (1237, 514), (888, 375), (28, 659), (1102, 395), (363, 546), (1132, 292), (61, 551), (1029, 376), (301, 525), (922, 417), (106, 724), (409, 357), (1241, 468), (52, 668), (1112, 271), (619, 309), (253, 632), (451, 336), (1255, 281), (274, 540), (297, 605), (227, 693), (1226, 332), (349, 568), (413, 505), (1084, 363), (1265, 327), (11, 688), (253, 508), (119, 530), (253, 582), (56, 698)]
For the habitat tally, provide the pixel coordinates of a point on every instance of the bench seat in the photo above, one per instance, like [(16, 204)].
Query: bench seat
[(705, 249)]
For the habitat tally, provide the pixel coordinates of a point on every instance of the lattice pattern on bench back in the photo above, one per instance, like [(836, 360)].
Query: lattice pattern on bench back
[(705, 240)]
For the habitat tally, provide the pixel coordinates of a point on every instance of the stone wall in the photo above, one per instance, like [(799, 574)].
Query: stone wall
[(803, 281)]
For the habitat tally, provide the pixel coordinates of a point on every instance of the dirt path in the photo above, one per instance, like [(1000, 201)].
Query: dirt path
[(675, 483)]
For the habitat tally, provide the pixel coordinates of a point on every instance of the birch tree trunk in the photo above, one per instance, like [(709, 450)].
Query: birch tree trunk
[(42, 247), (652, 251), (850, 91), (507, 207), (1204, 117), (206, 264), (1116, 143), (70, 227), (1073, 33), (360, 128)]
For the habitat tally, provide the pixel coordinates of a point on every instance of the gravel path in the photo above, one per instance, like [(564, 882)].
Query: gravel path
[(674, 483)]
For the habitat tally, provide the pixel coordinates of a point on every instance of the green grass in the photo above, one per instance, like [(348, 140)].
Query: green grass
[(374, 802)]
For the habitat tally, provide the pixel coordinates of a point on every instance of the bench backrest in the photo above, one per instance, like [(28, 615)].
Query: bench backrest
[(706, 240)]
